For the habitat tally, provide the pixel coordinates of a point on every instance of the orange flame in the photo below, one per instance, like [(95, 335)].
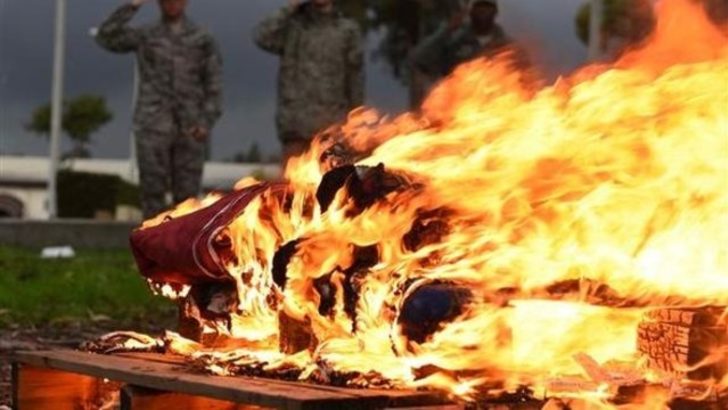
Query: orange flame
[(614, 176)]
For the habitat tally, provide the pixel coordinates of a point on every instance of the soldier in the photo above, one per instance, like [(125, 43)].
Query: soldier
[(180, 95), (628, 26), (321, 75), (456, 42)]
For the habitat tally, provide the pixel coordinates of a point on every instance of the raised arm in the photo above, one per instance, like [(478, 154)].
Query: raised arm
[(270, 33), (355, 67), (212, 83), (115, 34)]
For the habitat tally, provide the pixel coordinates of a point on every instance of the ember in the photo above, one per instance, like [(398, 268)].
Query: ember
[(556, 244)]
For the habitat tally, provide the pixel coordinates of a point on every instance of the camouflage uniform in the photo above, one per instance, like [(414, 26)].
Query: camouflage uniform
[(321, 75), (180, 88), (440, 53)]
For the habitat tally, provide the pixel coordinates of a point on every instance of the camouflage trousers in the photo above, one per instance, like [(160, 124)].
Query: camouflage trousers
[(168, 161)]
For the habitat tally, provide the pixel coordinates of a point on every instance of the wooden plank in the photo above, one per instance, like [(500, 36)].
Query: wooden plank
[(154, 357), (675, 341), (15, 384), (139, 398), (42, 388), (247, 390), (435, 407)]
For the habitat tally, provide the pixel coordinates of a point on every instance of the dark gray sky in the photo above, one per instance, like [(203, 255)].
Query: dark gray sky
[(26, 52)]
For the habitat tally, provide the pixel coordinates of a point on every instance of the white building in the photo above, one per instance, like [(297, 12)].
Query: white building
[(23, 180)]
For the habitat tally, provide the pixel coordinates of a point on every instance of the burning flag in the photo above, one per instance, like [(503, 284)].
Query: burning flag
[(506, 236)]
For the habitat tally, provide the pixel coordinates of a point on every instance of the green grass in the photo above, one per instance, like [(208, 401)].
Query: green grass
[(41, 291)]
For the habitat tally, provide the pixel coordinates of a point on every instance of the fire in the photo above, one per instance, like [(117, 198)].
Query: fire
[(610, 183)]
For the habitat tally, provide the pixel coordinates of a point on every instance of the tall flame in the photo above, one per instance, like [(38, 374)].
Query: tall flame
[(616, 175)]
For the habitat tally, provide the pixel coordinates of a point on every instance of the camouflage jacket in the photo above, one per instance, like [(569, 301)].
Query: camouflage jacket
[(180, 71), (440, 53), (321, 75)]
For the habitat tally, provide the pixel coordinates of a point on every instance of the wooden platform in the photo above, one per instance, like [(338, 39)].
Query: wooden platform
[(64, 379)]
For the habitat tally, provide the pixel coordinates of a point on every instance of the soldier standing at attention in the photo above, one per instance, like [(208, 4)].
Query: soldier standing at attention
[(321, 76), (180, 96), (459, 41)]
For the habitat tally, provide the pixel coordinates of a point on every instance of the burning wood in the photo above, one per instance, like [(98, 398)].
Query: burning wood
[(295, 335), (690, 343), (477, 247)]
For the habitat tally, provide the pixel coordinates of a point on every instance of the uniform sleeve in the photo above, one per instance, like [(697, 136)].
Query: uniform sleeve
[(430, 56), (355, 68), (115, 34), (212, 80), (270, 33)]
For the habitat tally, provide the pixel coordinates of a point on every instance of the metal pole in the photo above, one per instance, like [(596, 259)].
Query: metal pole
[(56, 107), (132, 134), (595, 29)]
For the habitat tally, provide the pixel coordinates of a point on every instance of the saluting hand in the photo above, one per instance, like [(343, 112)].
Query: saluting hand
[(138, 3), (199, 133)]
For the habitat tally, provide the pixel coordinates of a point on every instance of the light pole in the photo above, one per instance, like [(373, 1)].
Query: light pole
[(56, 107), (595, 29)]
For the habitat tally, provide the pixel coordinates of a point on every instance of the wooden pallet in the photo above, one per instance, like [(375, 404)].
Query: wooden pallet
[(64, 379), (676, 341)]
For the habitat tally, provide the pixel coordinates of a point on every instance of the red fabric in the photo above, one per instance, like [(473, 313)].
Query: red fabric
[(184, 250)]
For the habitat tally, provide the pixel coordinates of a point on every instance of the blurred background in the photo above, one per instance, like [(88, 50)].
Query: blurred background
[(99, 85), (26, 52)]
